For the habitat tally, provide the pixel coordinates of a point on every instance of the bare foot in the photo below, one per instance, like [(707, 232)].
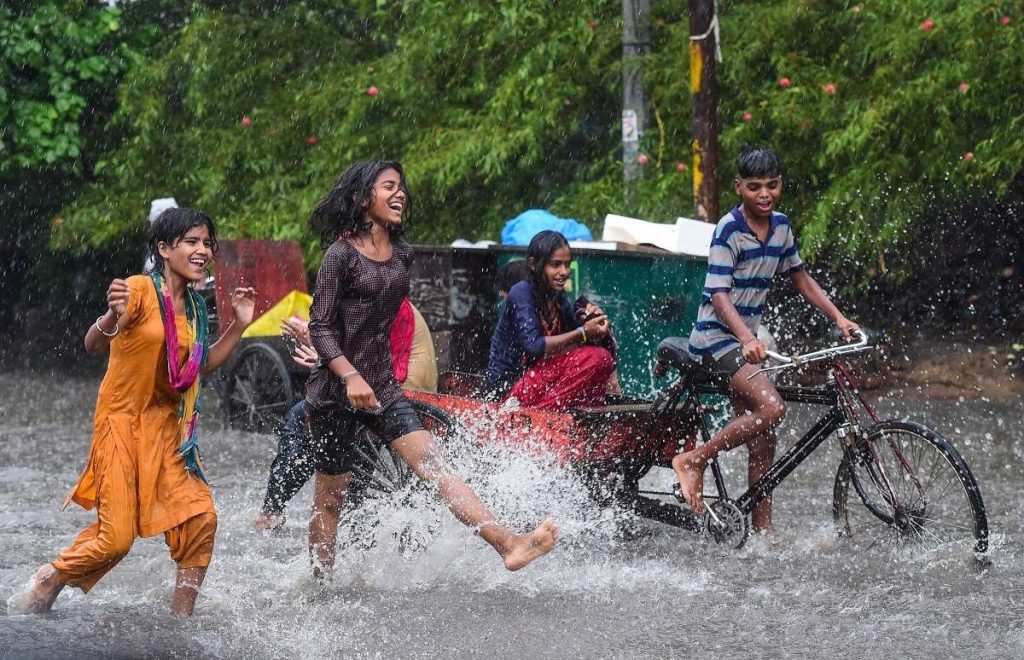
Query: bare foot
[(524, 548), (268, 521), (40, 595), (691, 481)]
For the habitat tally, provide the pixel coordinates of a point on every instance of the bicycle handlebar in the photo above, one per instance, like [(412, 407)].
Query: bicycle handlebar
[(790, 361)]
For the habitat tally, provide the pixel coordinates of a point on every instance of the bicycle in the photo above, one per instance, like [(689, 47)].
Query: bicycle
[(898, 483)]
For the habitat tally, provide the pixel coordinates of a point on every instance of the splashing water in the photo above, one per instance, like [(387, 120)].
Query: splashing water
[(410, 580)]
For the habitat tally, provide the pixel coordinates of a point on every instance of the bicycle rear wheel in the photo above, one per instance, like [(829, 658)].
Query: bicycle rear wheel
[(907, 486)]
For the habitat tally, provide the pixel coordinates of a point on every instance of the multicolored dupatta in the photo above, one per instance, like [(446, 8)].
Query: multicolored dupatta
[(186, 379)]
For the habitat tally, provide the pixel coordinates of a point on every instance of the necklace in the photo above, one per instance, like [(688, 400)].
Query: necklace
[(550, 321)]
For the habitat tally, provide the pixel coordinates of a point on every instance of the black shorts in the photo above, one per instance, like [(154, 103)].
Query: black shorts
[(725, 367), (336, 433)]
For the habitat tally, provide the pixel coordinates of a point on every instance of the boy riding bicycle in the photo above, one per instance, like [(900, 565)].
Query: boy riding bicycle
[(751, 244)]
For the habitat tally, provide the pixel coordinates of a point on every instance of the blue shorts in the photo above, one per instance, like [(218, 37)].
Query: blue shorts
[(335, 432)]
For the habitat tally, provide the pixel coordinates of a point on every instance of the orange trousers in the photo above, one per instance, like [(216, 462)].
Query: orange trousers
[(100, 546)]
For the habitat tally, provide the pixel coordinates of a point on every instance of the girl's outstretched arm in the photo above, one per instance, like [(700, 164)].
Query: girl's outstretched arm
[(243, 303)]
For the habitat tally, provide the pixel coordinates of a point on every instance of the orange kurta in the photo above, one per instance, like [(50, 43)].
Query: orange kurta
[(134, 461)]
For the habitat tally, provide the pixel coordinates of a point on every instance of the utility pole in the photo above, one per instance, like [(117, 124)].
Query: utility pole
[(703, 51), (636, 43)]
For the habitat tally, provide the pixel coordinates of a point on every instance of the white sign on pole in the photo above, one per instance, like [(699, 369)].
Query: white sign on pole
[(630, 130)]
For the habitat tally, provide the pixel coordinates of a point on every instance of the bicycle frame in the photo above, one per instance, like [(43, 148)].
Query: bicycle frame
[(837, 393)]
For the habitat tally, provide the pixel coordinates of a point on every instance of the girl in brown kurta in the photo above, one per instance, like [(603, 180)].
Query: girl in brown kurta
[(362, 281), (140, 477)]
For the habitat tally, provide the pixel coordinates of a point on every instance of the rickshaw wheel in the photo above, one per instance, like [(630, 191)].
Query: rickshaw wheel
[(259, 391)]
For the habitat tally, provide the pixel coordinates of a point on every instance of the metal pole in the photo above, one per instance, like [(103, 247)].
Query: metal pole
[(705, 122), (636, 43)]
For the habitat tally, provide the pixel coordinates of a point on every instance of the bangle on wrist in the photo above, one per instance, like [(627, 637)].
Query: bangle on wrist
[(103, 332), (583, 333), (345, 376), (750, 340)]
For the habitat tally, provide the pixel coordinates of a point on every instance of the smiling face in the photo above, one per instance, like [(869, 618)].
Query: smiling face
[(387, 207), (758, 196), (557, 269), (188, 256)]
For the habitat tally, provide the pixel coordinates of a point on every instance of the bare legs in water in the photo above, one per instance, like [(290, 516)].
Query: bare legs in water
[(46, 586), (421, 453)]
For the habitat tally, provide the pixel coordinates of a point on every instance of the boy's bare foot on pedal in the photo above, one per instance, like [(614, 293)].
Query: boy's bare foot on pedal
[(524, 548), (691, 481)]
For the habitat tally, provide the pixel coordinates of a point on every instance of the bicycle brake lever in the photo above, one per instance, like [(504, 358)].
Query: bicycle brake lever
[(775, 368)]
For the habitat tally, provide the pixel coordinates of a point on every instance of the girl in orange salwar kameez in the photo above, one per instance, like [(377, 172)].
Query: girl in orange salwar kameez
[(143, 475)]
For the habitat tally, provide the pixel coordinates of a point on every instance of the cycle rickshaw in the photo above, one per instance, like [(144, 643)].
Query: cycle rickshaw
[(898, 483)]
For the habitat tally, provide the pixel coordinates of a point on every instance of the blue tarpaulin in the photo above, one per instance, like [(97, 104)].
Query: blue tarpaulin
[(520, 229)]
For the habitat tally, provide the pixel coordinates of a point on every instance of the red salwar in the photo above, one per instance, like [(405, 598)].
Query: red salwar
[(576, 379)]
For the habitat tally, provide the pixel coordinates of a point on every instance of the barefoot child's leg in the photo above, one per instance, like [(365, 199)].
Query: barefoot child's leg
[(41, 593), (328, 498), (186, 590), (757, 395), (516, 550)]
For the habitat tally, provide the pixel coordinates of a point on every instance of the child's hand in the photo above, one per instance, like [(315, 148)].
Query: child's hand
[(117, 297), (754, 351), (305, 356), (243, 303), (597, 327), (360, 394), (296, 327), (846, 326)]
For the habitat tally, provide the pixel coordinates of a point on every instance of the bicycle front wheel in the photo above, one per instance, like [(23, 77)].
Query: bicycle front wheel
[(907, 486)]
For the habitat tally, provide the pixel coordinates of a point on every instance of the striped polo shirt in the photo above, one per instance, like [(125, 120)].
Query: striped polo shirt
[(743, 266)]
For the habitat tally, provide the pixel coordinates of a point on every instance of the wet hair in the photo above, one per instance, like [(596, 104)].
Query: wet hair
[(758, 162), (171, 226), (340, 212), (541, 247), (511, 274)]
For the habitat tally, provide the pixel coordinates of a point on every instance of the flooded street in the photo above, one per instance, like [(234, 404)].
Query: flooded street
[(655, 593)]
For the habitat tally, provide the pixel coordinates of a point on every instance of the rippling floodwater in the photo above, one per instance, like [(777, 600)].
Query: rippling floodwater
[(654, 594)]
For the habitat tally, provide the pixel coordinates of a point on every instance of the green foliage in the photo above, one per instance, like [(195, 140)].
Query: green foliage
[(489, 115), (890, 145), (55, 58), (498, 107)]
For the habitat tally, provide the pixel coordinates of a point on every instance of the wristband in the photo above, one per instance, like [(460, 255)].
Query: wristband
[(583, 333), (103, 332), (345, 376), (750, 340)]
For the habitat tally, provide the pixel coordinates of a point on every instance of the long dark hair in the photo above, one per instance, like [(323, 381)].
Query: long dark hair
[(340, 212), (541, 247), (171, 226)]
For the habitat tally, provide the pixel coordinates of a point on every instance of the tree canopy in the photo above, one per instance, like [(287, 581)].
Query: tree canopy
[(882, 111)]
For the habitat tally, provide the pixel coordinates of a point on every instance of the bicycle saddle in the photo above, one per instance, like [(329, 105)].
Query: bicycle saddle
[(672, 353)]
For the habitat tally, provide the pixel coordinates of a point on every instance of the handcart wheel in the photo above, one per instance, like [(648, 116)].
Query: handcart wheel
[(725, 524), (258, 392)]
